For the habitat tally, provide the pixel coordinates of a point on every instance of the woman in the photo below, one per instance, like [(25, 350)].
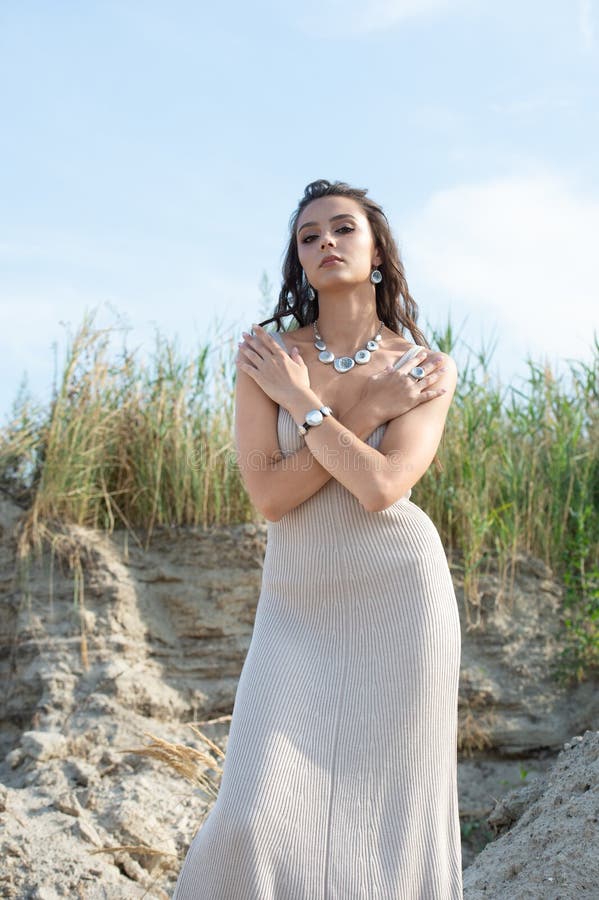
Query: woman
[(340, 775)]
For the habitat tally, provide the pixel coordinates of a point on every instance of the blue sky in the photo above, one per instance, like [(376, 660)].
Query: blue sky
[(153, 152)]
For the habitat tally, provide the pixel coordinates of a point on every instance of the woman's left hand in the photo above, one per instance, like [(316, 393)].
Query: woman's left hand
[(280, 375)]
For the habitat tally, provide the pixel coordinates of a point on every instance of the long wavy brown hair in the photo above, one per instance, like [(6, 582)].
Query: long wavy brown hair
[(394, 304)]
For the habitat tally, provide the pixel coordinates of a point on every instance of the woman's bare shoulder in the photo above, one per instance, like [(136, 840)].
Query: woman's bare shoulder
[(300, 336)]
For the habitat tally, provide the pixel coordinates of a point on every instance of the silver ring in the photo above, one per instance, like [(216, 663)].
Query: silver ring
[(417, 373)]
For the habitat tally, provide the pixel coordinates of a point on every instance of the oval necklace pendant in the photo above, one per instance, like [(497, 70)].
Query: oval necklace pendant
[(344, 363), (326, 356)]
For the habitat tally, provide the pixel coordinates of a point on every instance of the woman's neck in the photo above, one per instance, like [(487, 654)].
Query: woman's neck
[(345, 324)]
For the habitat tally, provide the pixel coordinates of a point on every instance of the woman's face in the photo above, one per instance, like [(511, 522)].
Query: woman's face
[(335, 226)]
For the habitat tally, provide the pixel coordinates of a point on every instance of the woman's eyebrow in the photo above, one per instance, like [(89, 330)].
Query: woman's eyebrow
[(332, 219)]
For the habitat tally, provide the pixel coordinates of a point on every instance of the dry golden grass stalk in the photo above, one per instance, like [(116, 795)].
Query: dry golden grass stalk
[(185, 761), (203, 737), (141, 849), (474, 721)]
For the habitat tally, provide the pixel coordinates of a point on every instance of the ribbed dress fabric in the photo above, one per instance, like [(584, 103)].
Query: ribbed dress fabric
[(339, 781)]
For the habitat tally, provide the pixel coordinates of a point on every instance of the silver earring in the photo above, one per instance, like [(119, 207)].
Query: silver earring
[(375, 276), (310, 289)]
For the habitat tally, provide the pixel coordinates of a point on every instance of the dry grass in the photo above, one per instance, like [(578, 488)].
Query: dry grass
[(475, 718), (188, 762), (137, 849), (137, 446)]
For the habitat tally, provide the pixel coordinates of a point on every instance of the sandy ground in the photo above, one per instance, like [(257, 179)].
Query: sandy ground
[(158, 640)]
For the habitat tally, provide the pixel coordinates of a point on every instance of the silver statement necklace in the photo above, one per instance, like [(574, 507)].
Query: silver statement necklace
[(345, 363)]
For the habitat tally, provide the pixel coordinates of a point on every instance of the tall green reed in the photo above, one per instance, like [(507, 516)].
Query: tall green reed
[(520, 474), (127, 444)]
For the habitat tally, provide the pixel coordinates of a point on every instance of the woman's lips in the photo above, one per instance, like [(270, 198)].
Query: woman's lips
[(329, 262)]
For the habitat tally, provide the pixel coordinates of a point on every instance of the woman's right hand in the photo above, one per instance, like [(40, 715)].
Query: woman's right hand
[(393, 392)]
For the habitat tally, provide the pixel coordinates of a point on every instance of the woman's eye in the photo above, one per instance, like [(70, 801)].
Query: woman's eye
[(310, 237)]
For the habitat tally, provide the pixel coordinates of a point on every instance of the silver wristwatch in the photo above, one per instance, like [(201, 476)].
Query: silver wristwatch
[(314, 417)]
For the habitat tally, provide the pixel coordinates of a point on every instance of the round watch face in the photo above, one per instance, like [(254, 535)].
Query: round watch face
[(314, 417)]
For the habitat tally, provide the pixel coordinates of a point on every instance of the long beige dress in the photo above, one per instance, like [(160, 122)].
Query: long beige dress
[(339, 781)]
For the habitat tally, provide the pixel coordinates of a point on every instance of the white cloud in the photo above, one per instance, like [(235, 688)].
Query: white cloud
[(517, 255), (342, 18), (586, 25)]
